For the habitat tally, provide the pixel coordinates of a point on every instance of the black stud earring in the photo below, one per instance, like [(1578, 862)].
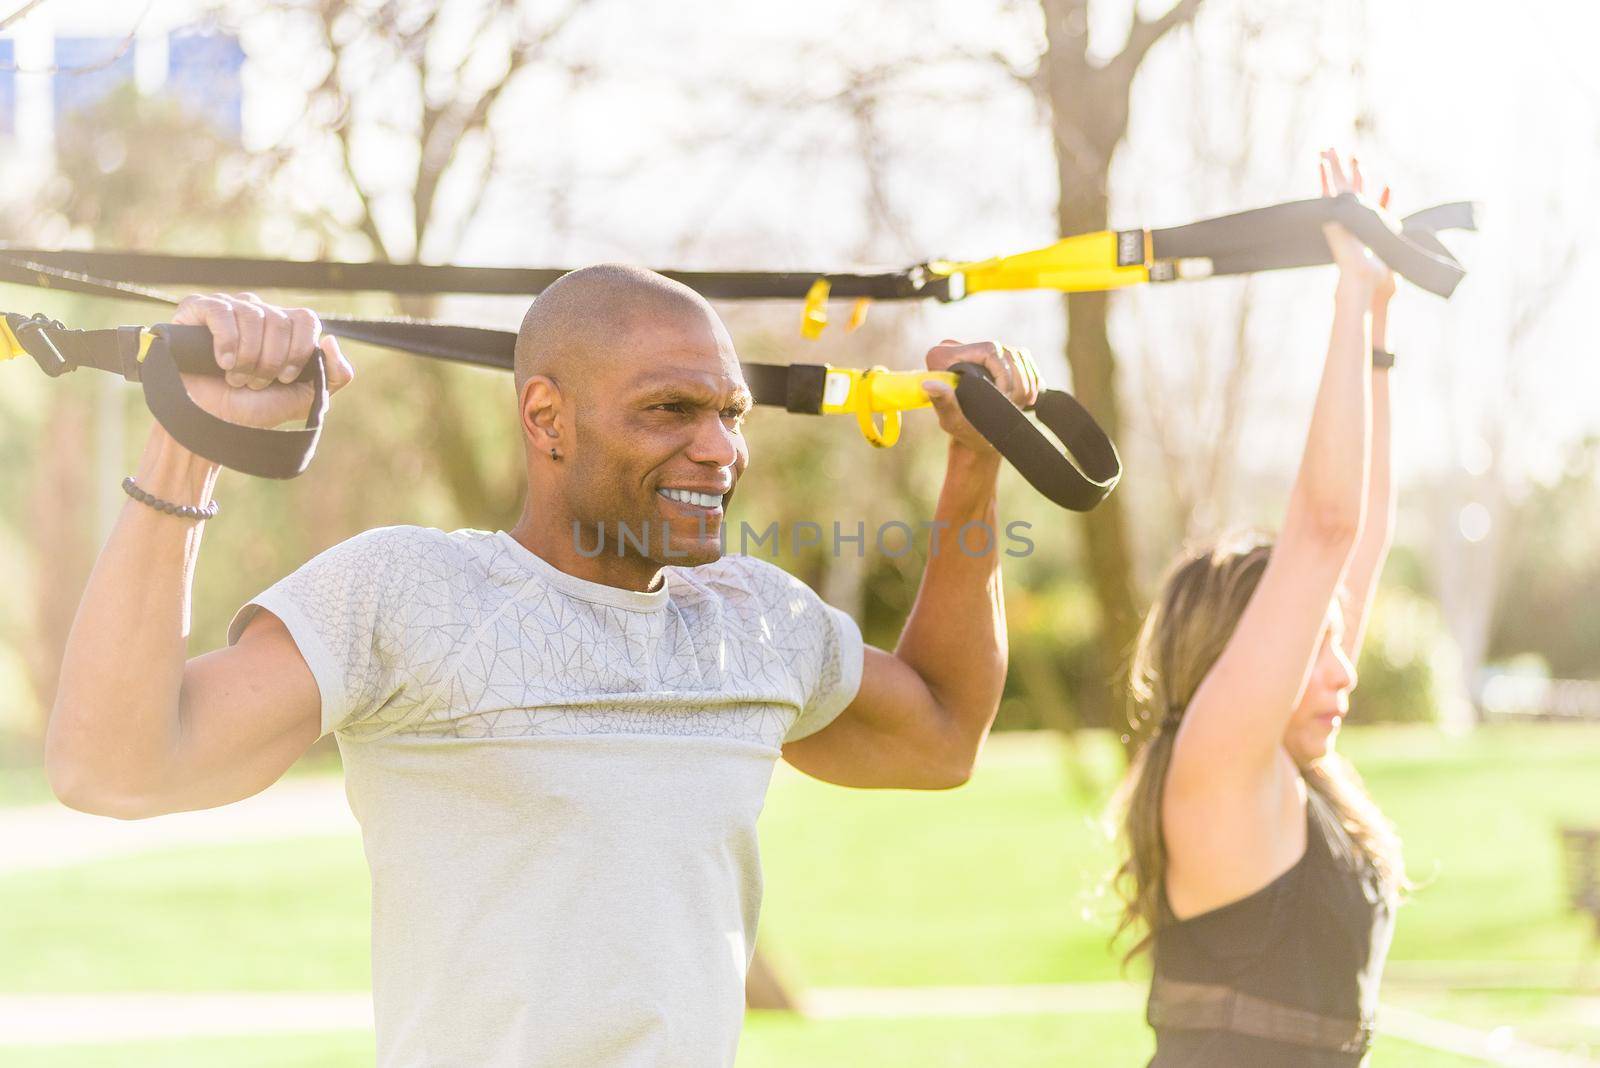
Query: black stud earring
[(553, 455)]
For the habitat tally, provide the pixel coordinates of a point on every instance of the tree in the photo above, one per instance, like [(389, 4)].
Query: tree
[(1088, 107), (120, 197), (424, 83)]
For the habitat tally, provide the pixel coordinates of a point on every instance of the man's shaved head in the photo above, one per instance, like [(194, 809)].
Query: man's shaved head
[(579, 327)]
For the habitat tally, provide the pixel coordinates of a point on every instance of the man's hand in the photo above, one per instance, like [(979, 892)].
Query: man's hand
[(263, 348), (1014, 374)]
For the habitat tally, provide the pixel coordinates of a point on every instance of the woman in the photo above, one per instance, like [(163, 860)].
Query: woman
[(1260, 872)]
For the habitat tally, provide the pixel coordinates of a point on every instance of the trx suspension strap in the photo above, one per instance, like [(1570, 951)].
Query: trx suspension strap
[(1077, 479), (1280, 236), (1264, 239)]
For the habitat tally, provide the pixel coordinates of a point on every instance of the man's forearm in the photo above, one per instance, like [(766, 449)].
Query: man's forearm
[(115, 721), (955, 638)]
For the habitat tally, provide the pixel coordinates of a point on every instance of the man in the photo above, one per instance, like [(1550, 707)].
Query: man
[(556, 754)]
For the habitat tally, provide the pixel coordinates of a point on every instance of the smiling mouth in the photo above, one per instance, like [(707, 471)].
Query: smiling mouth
[(693, 498)]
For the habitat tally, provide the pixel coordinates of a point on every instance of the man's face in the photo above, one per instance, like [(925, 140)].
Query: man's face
[(661, 443)]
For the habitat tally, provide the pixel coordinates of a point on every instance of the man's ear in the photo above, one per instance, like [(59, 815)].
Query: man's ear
[(540, 413)]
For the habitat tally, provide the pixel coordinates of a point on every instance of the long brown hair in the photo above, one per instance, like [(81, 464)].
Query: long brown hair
[(1183, 634)]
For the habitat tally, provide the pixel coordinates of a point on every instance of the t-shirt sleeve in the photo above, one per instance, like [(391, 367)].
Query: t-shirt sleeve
[(822, 645), (335, 607), (838, 675)]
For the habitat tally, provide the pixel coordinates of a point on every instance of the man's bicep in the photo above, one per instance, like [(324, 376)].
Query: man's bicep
[(887, 736), (246, 713)]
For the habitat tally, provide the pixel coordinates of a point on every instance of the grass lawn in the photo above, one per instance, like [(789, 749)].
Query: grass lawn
[(23, 786), (289, 915), (983, 1042), (991, 884), (769, 1042), (1004, 871), (301, 1051)]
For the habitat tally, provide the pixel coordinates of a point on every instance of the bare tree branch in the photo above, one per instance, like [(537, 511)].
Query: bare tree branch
[(86, 68), (332, 90), (1144, 33), (446, 127), (19, 13)]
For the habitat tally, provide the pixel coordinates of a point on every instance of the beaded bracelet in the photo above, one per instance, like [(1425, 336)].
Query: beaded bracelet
[(183, 511)]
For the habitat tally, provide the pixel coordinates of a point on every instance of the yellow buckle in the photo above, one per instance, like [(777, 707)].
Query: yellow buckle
[(814, 316), (10, 347), (858, 314), (878, 391), (865, 407), (1083, 262)]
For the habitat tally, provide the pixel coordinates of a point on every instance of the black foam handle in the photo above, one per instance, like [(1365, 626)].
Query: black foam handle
[(1076, 477), (252, 450)]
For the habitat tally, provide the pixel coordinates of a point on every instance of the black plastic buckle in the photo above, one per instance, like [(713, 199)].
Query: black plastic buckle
[(30, 333)]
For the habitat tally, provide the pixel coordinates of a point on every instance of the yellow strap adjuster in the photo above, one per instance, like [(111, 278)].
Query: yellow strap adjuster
[(875, 391), (145, 340), (1075, 264), (814, 316), (10, 347)]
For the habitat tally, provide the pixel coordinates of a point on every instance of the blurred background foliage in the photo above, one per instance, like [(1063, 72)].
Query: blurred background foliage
[(421, 442), (531, 133)]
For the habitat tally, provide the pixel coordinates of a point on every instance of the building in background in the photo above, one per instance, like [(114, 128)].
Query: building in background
[(62, 60), (52, 68)]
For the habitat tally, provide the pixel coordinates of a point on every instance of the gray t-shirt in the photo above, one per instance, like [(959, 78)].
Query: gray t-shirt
[(557, 783)]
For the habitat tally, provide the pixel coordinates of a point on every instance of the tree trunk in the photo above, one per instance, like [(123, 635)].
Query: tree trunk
[(1094, 382), (1089, 112), (59, 506), (763, 989)]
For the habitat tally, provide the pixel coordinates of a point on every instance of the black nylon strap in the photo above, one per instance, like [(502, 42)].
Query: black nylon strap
[(770, 384), (188, 349), (478, 346), (796, 387), (285, 454), (128, 351), (252, 450), (239, 272), (1290, 235), (1077, 479)]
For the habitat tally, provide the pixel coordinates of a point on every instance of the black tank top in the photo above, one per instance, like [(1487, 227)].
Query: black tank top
[(1314, 940)]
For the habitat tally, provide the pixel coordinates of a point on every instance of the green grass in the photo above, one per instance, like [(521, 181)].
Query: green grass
[(1479, 816), (1001, 873), (1005, 869), (23, 786), (991, 884), (776, 1041), (302, 1051), (770, 1041), (289, 915)]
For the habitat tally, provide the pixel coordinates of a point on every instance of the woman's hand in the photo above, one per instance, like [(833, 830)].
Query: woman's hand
[(1357, 265)]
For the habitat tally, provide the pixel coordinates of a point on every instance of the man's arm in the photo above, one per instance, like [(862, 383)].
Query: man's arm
[(923, 712), (136, 730)]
